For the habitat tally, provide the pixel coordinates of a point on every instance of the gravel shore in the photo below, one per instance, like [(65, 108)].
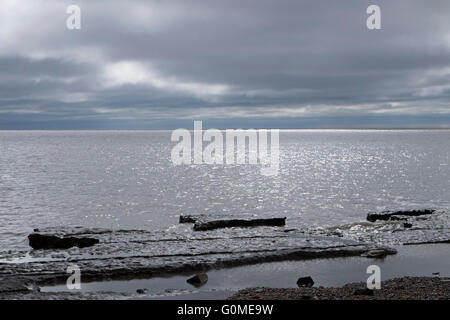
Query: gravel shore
[(406, 288)]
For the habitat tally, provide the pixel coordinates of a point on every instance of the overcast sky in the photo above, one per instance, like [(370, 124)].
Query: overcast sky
[(231, 63)]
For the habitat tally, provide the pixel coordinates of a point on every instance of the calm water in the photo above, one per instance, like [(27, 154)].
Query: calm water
[(125, 179)]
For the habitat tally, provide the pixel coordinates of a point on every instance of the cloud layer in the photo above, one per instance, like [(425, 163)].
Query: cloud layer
[(265, 63)]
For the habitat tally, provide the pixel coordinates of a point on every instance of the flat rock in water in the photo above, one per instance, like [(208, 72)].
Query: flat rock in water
[(398, 215), (204, 223), (41, 241), (124, 254), (218, 224)]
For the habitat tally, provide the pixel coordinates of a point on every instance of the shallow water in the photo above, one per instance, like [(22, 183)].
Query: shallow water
[(422, 260), (125, 180)]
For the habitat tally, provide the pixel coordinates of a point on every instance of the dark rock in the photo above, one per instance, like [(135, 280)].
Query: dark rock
[(393, 215), (217, 224), (40, 241), (407, 225), (305, 282), (363, 292), (84, 242), (198, 280), (203, 222), (190, 218), (142, 291)]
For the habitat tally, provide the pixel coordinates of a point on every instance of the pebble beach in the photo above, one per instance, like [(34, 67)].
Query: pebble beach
[(405, 288)]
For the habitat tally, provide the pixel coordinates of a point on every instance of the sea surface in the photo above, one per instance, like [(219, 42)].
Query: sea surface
[(126, 180)]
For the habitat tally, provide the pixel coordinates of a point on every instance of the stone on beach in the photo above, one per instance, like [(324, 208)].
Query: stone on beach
[(305, 282), (40, 241), (198, 280)]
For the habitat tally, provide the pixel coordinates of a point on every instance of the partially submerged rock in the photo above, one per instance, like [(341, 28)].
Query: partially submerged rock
[(203, 223), (198, 280), (398, 215), (41, 241), (142, 291), (217, 224)]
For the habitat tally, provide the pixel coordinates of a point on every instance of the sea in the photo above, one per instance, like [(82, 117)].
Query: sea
[(127, 180)]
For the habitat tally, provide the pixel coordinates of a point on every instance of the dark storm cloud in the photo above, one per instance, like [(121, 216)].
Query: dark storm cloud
[(248, 62)]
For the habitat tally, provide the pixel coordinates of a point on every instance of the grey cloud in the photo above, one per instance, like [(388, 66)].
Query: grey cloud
[(303, 58)]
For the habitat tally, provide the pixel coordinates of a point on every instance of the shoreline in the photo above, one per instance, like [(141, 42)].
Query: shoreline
[(154, 264)]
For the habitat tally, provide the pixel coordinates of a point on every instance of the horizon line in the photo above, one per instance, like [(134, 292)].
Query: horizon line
[(244, 128)]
